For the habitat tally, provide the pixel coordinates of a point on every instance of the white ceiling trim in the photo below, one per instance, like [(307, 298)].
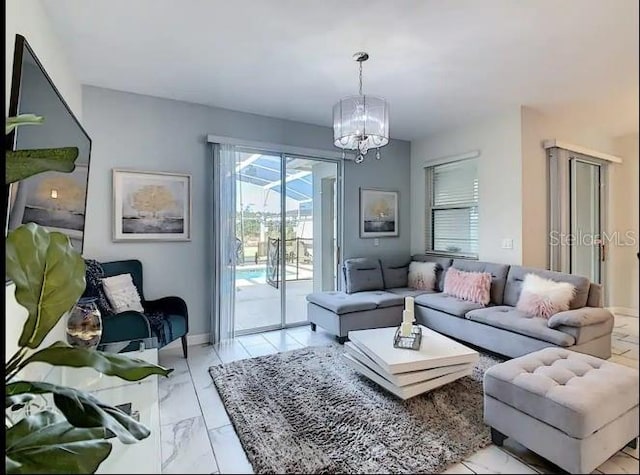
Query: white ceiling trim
[(583, 150)]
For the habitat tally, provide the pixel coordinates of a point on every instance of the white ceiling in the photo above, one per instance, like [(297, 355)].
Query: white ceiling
[(439, 63)]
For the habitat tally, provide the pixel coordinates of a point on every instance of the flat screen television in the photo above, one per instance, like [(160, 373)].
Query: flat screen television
[(54, 200)]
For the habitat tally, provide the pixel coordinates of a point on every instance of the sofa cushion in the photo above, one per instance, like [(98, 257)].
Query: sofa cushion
[(409, 292), (544, 297), (573, 392), (422, 275), (517, 274), (130, 266), (395, 271), (443, 264), (381, 298), (362, 274), (509, 318), (498, 275), (447, 304), (122, 293), (341, 302), (471, 286)]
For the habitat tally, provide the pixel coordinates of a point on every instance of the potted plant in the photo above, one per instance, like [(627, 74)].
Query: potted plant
[(49, 276)]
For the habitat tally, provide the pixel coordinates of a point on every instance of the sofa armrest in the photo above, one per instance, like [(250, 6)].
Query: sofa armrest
[(580, 317), (129, 325), (168, 305)]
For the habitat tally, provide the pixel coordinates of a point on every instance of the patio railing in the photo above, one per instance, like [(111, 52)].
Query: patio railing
[(297, 251)]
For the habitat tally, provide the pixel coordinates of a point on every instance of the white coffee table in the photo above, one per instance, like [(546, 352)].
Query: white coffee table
[(407, 373)]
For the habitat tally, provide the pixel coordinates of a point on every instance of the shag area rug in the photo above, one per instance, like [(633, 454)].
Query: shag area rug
[(306, 411)]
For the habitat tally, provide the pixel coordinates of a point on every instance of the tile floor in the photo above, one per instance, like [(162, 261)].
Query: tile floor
[(197, 436)]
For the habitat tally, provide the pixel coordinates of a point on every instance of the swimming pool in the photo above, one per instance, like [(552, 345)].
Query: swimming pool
[(260, 273)]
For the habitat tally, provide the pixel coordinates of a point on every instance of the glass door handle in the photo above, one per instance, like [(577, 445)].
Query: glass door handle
[(603, 252)]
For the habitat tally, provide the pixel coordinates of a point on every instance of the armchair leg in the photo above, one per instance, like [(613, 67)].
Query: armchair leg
[(184, 345)]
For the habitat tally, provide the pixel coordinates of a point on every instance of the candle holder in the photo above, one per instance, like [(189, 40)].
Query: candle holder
[(411, 342)]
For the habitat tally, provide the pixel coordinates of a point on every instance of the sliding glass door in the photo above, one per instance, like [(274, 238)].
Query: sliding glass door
[(286, 237), (257, 240), (587, 247), (310, 234)]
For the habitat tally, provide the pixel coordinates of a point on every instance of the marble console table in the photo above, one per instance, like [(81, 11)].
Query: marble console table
[(144, 456)]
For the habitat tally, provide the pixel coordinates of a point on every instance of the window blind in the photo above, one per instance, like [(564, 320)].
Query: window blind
[(452, 202)]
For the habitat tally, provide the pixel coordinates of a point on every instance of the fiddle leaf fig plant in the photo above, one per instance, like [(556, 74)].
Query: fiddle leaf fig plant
[(76, 450), (49, 277), (21, 164), (34, 245)]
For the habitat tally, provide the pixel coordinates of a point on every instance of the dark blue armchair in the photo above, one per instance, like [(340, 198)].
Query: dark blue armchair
[(169, 314)]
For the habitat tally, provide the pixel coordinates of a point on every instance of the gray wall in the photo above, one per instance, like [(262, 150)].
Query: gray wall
[(148, 133), (392, 172)]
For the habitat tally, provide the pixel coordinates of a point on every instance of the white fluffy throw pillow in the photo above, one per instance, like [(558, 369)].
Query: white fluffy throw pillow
[(422, 275), (544, 297), (122, 294)]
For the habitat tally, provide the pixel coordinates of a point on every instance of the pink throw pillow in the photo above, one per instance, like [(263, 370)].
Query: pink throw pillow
[(472, 286)]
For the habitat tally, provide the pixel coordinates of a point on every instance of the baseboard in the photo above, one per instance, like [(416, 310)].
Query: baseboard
[(192, 340), (629, 312)]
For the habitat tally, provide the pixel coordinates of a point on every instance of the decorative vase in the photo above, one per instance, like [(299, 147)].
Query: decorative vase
[(84, 325)]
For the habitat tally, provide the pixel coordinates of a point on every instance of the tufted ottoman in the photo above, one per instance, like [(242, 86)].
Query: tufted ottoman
[(573, 409)]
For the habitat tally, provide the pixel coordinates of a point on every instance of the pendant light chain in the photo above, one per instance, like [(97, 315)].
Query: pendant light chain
[(360, 63)]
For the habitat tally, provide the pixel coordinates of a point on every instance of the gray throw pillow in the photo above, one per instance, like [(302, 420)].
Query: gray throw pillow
[(363, 274), (395, 272)]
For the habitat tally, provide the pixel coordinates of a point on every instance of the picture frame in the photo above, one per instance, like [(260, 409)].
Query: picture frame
[(151, 206), (54, 200), (378, 213)]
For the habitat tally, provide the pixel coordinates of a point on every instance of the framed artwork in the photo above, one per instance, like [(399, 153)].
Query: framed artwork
[(151, 206), (53, 200), (378, 213)]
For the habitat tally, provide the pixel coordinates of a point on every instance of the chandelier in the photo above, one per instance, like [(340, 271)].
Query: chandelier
[(361, 122)]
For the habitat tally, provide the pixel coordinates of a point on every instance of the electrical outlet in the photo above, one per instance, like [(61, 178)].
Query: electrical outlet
[(376, 242), (507, 243)]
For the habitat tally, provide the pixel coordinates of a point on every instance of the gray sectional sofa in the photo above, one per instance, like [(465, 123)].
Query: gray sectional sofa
[(375, 291)]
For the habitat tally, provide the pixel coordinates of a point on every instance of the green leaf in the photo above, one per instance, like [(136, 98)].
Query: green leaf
[(111, 364), (49, 278), (22, 119), (21, 164), (42, 444), (84, 410)]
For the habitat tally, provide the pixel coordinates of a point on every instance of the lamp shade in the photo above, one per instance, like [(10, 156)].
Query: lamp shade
[(361, 123)]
